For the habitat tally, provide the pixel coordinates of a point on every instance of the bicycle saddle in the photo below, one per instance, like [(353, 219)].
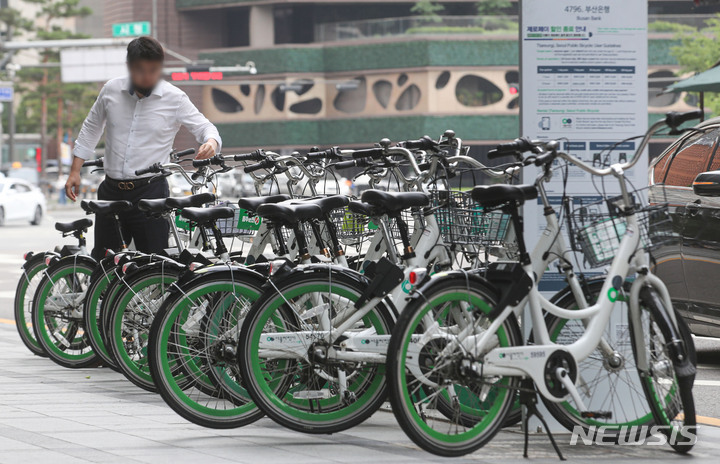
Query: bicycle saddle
[(496, 195), (251, 204), (363, 209), (192, 201), (394, 202), (109, 207), (288, 213), (207, 215), (327, 204), (80, 224), (155, 206)]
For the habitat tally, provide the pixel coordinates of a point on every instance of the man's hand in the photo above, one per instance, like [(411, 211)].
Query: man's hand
[(207, 150), (72, 186)]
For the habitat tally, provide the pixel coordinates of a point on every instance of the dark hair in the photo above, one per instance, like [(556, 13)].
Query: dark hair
[(145, 48)]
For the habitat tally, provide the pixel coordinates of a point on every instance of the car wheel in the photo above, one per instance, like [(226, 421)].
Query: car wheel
[(37, 218), (2, 216)]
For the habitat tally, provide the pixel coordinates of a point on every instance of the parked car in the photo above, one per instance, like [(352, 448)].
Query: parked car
[(686, 176), (20, 200)]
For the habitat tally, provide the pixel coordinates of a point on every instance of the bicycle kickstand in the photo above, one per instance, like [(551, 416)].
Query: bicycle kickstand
[(528, 401)]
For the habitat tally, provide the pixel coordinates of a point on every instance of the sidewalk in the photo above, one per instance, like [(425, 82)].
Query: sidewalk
[(52, 414)]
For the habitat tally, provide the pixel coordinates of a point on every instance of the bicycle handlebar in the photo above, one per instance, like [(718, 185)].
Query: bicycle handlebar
[(155, 168), (675, 119), (257, 155), (424, 143), (98, 163), (181, 154), (671, 120), (264, 164)]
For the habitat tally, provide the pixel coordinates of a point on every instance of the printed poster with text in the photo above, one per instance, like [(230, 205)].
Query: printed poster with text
[(584, 81)]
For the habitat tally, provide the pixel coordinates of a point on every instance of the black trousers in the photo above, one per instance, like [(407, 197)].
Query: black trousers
[(149, 234)]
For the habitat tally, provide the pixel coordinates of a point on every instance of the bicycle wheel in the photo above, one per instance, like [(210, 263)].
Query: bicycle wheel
[(57, 313), (442, 405), (182, 352), (130, 318), (33, 271), (667, 383), (92, 312), (607, 380), (300, 388)]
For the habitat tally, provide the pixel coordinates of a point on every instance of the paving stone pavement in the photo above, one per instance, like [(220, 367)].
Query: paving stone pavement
[(57, 415)]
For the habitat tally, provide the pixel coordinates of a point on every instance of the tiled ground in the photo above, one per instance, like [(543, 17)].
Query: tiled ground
[(56, 415)]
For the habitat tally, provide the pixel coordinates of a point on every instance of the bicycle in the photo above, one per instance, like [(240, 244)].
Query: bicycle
[(460, 331)]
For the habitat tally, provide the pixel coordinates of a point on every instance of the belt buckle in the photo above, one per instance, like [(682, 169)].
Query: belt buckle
[(126, 185)]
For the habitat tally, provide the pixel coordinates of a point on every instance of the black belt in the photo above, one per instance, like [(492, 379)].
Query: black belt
[(130, 184)]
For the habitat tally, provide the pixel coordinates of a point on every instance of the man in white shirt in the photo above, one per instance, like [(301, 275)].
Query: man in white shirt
[(140, 115)]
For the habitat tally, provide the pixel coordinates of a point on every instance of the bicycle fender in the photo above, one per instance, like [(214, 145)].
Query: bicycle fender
[(438, 280), (216, 271), (141, 265), (59, 260), (322, 269), (31, 258)]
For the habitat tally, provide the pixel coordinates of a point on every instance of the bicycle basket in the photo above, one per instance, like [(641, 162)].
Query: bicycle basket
[(463, 222), (240, 225), (350, 226), (601, 226)]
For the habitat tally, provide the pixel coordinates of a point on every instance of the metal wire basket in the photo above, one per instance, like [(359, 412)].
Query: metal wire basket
[(350, 226), (600, 226), (463, 222), (240, 225)]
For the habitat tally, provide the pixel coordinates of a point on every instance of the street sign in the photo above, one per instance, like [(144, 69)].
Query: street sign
[(6, 91), (131, 29)]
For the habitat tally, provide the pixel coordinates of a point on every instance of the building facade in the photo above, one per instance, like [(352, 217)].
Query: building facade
[(351, 72)]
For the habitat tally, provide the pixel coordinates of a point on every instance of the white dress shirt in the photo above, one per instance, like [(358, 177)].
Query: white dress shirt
[(140, 131)]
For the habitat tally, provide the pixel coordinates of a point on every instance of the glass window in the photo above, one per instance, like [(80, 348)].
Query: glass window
[(689, 158)]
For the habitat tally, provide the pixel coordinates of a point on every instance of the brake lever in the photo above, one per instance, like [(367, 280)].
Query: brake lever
[(96, 170)]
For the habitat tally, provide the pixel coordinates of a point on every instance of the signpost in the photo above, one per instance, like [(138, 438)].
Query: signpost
[(584, 80), (131, 29), (7, 91)]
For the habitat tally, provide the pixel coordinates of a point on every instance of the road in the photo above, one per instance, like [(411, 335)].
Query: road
[(17, 238)]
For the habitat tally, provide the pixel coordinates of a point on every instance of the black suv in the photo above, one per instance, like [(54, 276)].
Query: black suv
[(688, 175)]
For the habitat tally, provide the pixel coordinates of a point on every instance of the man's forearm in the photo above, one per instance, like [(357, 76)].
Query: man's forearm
[(76, 165)]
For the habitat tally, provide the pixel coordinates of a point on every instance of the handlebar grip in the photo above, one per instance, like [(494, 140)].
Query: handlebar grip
[(202, 163), (330, 153), (545, 158), (356, 163), (519, 145), (425, 143), (98, 163), (369, 153), (674, 119), (150, 169), (257, 155), (265, 164), (189, 151)]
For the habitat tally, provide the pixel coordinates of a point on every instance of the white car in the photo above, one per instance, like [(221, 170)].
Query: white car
[(20, 200)]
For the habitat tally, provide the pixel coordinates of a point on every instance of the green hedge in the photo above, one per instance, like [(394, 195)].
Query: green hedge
[(396, 54), (364, 131)]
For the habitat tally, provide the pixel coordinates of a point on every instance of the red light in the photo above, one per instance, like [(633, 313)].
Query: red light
[(25, 255), (197, 76), (180, 76), (125, 267), (413, 278), (513, 90), (38, 158), (47, 260)]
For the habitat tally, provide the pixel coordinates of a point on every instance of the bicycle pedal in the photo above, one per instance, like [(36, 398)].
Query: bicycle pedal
[(596, 414)]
